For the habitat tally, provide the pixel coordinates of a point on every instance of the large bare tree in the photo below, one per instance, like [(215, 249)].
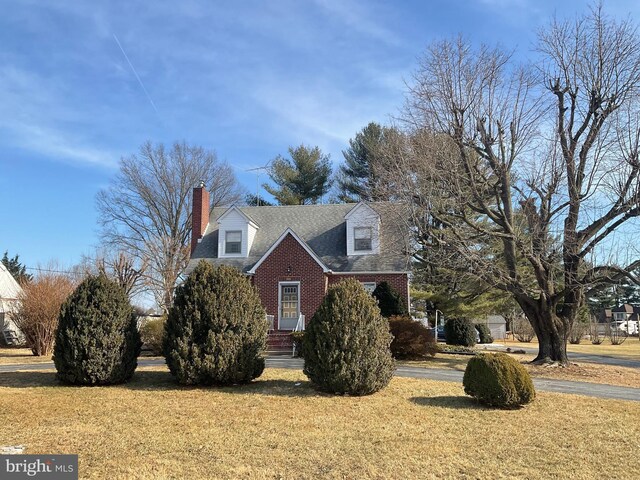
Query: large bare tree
[(146, 211), (526, 177)]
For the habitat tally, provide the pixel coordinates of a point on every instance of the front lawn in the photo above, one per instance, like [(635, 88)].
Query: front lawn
[(279, 427), (629, 349), (12, 356)]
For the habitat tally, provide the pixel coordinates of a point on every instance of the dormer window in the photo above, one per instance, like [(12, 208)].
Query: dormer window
[(362, 239), (233, 242)]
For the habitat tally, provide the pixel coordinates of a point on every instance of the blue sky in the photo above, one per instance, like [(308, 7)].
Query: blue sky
[(247, 79)]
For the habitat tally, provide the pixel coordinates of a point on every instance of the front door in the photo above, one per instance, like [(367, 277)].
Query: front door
[(289, 306)]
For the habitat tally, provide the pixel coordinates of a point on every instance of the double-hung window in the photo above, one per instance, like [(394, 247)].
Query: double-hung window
[(233, 242), (362, 239)]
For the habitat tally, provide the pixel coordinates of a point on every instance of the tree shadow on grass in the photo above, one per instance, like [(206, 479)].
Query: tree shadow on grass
[(449, 401), (28, 379), (162, 380)]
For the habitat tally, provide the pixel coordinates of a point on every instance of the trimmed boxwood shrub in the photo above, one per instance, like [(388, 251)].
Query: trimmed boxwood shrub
[(460, 331), (498, 380), (97, 339), (346, 344), (484, 333), (298, 338), (389, 300), (411, 339), (216, 330)]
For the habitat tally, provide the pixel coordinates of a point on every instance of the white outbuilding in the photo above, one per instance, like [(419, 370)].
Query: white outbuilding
[(10, 292)]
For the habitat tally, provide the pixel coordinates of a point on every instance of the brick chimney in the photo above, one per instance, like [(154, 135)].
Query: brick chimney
[(200, 216)]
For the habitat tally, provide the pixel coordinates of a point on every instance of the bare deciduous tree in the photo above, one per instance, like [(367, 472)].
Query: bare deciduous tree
[(119, 266), (543, 171), (40, 301), (146, 211)]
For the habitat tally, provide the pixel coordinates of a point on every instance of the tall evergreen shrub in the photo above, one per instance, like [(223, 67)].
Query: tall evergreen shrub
[(97, 340), (216, 331), (346, 345), (389, 300)]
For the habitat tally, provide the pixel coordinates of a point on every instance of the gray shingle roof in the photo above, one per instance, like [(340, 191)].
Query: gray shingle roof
[(323, 228)]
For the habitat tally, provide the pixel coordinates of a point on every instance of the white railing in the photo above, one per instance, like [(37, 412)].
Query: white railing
[(300, 325), (298, 328), (270, 320)]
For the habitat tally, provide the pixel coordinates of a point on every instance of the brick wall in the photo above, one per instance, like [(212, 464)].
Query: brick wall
[(289, 261), (397, 280)]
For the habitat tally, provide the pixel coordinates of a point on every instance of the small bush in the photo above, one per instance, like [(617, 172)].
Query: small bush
[(298, 339), (484, 332), (460, 331), (522, 330), (346, 344), (578, 331), (39, 310), (152, 333), (97, 340), (389, 300), (411, 339), (497, 380), (216, 331)]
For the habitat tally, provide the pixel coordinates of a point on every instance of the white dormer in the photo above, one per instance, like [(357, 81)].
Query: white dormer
[(236, 232), (363, 230)]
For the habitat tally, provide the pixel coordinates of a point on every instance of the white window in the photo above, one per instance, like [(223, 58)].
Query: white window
[(362, 239), (369, 286), (618, 316), (233, 242)]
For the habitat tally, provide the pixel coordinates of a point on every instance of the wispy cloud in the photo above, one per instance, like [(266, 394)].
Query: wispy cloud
[(32, 111), (357, 17)]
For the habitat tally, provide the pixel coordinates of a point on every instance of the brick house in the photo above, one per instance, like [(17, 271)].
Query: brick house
[(293, 253)]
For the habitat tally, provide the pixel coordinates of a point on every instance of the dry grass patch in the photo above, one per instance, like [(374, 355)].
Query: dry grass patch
[(12, 356), (629, 349), (279, 427)]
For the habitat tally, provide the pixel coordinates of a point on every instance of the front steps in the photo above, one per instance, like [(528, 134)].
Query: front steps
[(279, 343)]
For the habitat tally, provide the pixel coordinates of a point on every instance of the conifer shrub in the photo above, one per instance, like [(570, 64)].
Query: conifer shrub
[(484, 333), (389, 300), (497, 380), (216, 331), (460, 331), (97, 340), (346, 344), (411, 339)]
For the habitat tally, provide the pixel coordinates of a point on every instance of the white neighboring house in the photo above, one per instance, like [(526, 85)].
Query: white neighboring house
[(10, 292)]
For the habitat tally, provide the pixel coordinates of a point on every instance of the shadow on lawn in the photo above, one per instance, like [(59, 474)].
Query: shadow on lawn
[(448, 401), (154, 380)]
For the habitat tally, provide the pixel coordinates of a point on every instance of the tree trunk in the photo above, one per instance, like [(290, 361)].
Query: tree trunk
[(551, 333)]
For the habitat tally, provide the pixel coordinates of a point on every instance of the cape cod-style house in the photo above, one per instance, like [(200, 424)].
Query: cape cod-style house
[(293, 253)]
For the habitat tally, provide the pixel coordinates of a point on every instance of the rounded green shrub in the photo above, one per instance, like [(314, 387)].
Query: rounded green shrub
[(152, 333), (411, 339), (389, 300), (97, 340), (460, 331), (498, 380), (346, 344), (484, 333), (216, 331)]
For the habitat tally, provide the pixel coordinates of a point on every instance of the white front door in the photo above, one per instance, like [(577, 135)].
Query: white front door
[(289, 310)]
